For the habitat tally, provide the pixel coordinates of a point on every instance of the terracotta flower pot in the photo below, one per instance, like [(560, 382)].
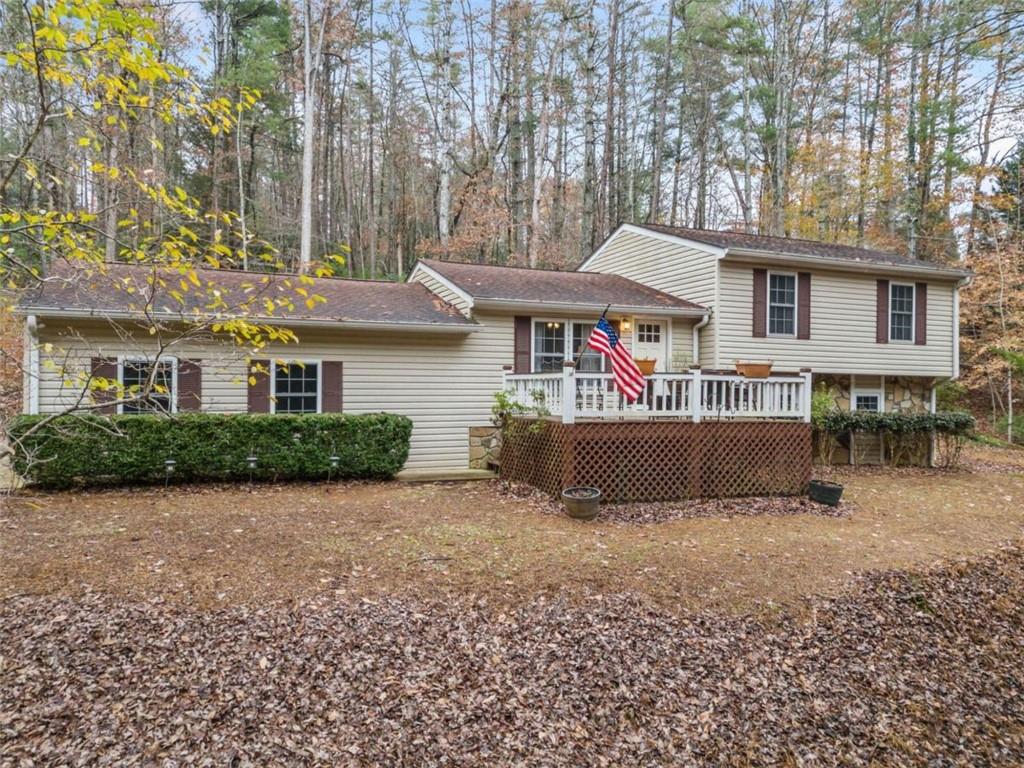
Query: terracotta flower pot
[(645, 365), (754, 370), (581, 503)]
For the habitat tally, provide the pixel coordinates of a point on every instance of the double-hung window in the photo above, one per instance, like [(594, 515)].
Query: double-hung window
[(781, 304), (148, 386), (296, 387), (555, 341), (589, 360), (548, 345), (901, 312)]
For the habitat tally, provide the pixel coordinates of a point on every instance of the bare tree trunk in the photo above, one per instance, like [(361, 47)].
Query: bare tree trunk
[(654, 212), (609, 185), (371, 223), (311, 64), (589, 212)]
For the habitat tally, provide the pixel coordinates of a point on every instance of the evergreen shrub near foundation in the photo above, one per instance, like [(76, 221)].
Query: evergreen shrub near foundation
[(121, 450)]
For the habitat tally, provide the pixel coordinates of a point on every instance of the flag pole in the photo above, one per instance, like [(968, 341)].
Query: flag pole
[(585, 344)]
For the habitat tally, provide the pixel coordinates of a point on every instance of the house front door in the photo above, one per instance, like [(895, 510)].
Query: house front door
[(650, 342)]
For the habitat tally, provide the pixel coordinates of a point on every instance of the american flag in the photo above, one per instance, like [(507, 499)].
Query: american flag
[(628, 378)]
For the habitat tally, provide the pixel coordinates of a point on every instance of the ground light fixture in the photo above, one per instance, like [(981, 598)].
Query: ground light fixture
[(169, 465), (334, 461), (251, 461)]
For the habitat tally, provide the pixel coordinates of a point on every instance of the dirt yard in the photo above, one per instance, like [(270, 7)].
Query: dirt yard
[(220, 546), (461, 624)]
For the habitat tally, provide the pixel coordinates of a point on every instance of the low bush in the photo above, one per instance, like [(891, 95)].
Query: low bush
[(952, 422), (907, 435), (92, 450)]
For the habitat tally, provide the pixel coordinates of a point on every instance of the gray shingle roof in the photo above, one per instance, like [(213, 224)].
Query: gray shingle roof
[(796, 246), (546, 286), (120, 288)]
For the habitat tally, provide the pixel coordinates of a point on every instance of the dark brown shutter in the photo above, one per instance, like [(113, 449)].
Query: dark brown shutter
[(190, 385), (331, 379), (921, 313), (259, 388), (104, 368), (760, 303), (882, 313), (803, 305), (521, 360)]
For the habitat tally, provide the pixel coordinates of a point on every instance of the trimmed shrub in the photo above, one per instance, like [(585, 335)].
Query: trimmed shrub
[(907, 436), (947, 422), (96, 450)]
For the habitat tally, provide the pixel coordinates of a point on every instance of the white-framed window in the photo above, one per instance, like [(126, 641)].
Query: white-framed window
[(901, 312), (558, 340), (136, 373), (781, 304), (549, 350), (648, 333), (296, 387), (867, 401), (589, 360)]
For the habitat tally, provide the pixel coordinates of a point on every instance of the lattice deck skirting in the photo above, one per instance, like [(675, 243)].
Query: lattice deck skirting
[(660, 460)]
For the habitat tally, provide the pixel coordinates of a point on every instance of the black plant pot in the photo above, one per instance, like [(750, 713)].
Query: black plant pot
[(581, 502), (825, 492)]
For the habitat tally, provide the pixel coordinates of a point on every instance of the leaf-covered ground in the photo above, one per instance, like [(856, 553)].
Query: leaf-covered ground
[(214, 547), (461, 624), (902, 670)]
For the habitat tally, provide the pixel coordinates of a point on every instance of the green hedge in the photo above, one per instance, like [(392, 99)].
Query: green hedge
[(92, 450), (947, 422)]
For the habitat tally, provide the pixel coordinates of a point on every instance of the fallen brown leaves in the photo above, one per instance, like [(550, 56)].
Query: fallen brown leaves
[(663, 511), (903, 669)]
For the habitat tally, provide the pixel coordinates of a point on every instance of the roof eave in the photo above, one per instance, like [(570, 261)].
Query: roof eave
[(598, 308), (85, 314), (848, 265)]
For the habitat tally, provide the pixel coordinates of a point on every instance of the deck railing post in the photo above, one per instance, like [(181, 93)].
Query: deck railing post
[(806, 374), (695, 393), (568, 392), (505, 371)]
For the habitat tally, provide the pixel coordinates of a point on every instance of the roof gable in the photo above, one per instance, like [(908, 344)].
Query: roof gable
[(492, 283)]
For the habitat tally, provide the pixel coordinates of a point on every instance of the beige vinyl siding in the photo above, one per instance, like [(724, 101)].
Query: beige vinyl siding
[(682, 345), (442, 290), (842, 339), (444, 383), (689, 273)]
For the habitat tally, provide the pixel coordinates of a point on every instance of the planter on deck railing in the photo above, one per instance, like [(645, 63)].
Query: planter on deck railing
[(645, 365), (753, 370)]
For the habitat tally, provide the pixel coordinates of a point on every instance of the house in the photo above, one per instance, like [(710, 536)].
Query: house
[(880, 330)]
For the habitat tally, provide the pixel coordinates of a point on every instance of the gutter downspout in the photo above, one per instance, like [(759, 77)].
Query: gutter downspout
[(696, 337), (32, 350)]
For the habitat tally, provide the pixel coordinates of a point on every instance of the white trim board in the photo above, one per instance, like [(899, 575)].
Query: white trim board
[(446, 282)]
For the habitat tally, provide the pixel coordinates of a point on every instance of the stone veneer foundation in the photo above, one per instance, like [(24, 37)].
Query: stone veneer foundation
[(484, 447)]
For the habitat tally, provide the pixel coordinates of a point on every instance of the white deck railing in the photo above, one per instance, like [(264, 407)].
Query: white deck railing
[(667, 395)]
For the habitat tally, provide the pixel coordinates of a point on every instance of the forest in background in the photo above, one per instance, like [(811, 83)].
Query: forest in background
[(523, 132), (519, 132)]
